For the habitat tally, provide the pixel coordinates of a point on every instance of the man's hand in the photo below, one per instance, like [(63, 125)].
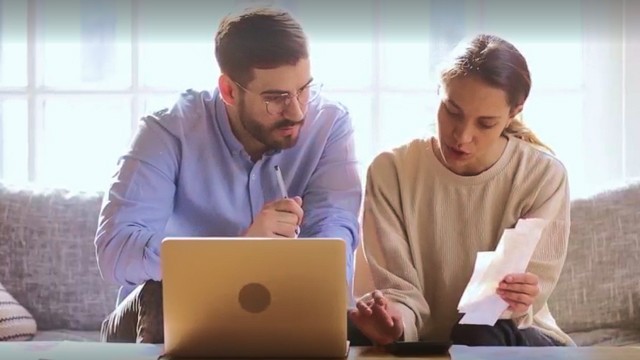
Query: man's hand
[(378, 319), (280, 218), (519, 291)]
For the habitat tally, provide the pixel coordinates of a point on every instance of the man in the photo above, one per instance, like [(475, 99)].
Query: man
[(205, 167)]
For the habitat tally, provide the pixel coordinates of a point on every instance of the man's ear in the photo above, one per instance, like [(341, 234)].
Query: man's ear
[(228, 90)]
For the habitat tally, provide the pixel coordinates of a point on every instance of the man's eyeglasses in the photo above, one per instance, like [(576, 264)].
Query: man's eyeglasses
[(276, 104)]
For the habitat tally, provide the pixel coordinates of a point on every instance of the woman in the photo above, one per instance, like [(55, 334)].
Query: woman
[(432, 204)]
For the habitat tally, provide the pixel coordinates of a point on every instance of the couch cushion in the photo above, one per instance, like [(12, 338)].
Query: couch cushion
[(47, 256), (69, 335), (16, 323), (600, 284)]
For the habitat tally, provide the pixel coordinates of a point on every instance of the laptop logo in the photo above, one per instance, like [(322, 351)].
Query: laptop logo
[(254, 298)]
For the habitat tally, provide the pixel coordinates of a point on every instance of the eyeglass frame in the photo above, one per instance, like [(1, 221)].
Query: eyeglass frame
[(287, 96)]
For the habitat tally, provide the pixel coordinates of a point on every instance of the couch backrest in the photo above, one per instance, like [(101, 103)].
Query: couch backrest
[(47, 257), (600, 283), (47, 260)]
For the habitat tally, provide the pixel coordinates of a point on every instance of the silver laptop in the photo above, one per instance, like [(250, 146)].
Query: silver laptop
[(251, 298)]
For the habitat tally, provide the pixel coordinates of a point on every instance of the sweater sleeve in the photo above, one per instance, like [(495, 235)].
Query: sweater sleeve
[(551, 202), (387, 249)]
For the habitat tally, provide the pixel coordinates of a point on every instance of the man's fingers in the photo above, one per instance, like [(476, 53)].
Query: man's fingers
[(286, 218), (290, 206), (284, 230)]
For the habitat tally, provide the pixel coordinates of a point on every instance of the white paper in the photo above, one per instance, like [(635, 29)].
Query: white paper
[(479, 302)]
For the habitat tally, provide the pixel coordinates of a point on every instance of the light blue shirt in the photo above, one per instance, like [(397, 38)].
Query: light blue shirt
[(186, 174)]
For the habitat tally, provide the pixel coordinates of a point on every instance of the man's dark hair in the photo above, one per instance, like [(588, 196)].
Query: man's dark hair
[(258, 38)]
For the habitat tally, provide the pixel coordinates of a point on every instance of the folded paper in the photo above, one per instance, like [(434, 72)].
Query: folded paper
[(480, 303)]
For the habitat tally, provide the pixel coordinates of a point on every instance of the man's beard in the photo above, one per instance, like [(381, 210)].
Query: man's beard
[(267, 135)]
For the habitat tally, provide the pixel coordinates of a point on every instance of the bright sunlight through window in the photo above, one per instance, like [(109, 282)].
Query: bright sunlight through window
[(75, 79)]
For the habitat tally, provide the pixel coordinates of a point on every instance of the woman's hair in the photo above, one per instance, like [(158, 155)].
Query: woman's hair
[(499, 64), (258, 38)]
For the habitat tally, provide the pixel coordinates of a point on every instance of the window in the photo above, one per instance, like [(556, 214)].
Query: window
[(76, 76), (379, 59)]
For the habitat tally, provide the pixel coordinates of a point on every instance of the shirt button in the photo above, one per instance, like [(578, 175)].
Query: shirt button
[(253, 177)]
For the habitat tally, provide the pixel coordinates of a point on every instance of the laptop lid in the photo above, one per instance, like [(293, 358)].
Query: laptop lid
[(238, 297)]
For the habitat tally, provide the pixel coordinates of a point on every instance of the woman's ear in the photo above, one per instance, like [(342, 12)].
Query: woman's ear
[(515, 111), (228, 90)]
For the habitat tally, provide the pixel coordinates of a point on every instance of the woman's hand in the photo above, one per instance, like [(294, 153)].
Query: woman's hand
[(378, 319), (519, 291)]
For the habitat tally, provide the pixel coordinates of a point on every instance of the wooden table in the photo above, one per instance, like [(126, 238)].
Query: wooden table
[(520, 353)]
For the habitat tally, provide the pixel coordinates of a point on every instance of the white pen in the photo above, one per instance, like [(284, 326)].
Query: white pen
[(283, 190)]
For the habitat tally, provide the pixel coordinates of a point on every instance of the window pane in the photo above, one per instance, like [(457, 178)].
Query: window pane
[(632, 88), (417, 36), (166, 65), (153, 103), (523, 19), (343, 66), (554, 51), (404, 65), (360, 109), (87, 44), (13, 43), (561, 127), (177, 43), (406, 116), (561, 70), (14, 148), (341, 42), (80, 148), (630, 133), (449, 23)]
